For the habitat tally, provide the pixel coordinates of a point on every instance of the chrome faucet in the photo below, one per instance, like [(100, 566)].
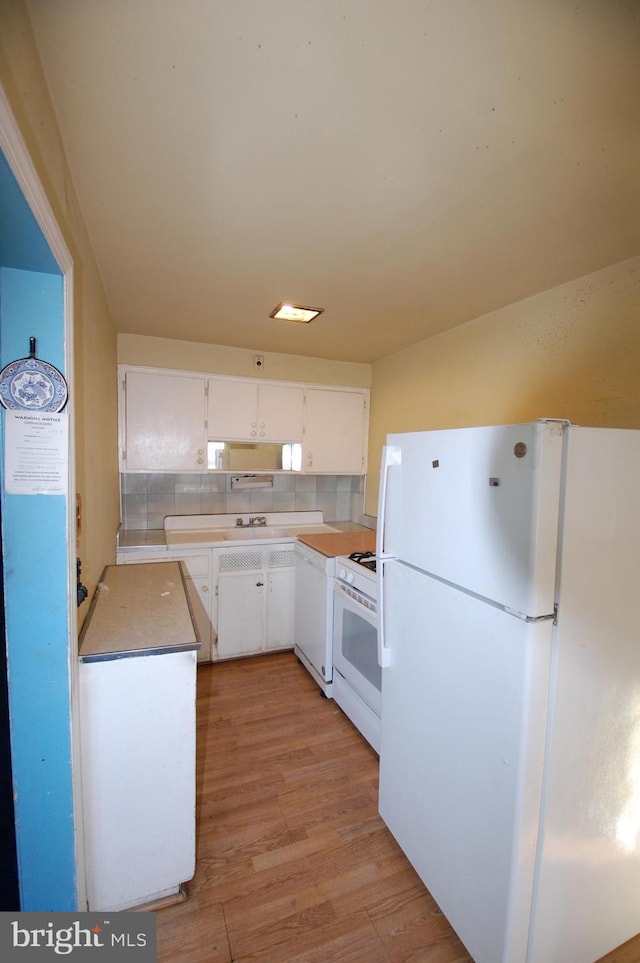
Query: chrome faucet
[(258, 520)]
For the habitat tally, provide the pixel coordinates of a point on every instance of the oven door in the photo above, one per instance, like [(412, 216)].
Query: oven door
[(355, 645)]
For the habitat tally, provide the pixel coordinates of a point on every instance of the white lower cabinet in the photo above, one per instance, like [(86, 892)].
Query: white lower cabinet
[(255, 599), (240, 614), (199, 595), (197, 585), (281, 591)]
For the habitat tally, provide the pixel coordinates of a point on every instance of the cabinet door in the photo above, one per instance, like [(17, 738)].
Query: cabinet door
[(281, 600), (164, 422), (249, 411), (198, 590), (233, 410), (335, 431), (280, 412), (280, 609), (241, 601)]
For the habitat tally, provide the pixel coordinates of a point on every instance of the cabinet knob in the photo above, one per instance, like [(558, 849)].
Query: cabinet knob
[(254, 433), (262, 434), (200, 461)]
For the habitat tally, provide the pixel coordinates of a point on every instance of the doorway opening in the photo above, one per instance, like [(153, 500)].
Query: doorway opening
[(38, 554)]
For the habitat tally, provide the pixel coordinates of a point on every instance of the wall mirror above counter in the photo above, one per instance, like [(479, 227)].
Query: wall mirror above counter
[(257, 456)]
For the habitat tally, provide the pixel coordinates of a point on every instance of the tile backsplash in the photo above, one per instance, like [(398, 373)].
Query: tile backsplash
[(147, 498)]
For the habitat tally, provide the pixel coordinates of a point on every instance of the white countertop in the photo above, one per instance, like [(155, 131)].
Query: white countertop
[(202, 531)]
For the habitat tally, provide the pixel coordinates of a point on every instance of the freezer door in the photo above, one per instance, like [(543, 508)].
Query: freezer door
[(478, 507), (464, 706)]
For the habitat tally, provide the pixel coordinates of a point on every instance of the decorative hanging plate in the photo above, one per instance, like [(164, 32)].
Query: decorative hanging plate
[(32, 385)]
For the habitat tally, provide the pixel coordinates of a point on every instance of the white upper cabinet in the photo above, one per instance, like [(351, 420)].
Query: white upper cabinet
[(335, 440), (166, 418), (250, 410), (162, 422), (281, 412)]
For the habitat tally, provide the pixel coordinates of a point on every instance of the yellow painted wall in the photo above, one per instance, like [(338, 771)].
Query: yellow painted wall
[(219, 359), (570, 352), (93, 380)]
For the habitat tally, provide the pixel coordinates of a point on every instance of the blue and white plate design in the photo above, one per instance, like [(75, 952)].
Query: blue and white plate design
[(32, 385)]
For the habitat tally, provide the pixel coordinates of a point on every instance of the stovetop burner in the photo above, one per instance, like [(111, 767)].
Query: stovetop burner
[(368, 559)]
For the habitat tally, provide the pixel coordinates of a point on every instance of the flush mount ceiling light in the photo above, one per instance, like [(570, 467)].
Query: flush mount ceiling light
[(295, 312)]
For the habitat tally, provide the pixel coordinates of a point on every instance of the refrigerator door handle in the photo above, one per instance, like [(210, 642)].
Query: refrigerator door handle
[(384, 652), (390, 456)]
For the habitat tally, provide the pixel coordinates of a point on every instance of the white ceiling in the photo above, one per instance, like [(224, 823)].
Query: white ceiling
[(407, 165)]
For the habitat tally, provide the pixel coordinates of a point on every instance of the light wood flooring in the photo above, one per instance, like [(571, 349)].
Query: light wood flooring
[(293, 862)]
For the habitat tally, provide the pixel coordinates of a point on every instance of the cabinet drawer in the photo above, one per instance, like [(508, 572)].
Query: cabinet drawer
[(196, 565)]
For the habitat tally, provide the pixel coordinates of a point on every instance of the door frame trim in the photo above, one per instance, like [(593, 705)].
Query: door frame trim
[(19, 160)]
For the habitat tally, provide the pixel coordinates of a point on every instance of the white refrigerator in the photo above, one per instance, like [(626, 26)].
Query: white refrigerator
[(509, 636)]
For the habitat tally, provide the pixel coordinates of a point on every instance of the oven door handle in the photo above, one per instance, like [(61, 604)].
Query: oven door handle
[(390, 456)]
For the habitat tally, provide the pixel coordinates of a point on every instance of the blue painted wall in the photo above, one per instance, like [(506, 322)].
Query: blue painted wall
[(36, 585), (22, 243)]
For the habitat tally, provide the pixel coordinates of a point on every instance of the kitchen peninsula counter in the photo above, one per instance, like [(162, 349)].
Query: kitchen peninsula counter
[(139, 609), (137, 686)]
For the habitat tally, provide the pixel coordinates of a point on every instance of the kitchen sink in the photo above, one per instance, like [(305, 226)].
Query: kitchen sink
[(253, 532), (190, 531)]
